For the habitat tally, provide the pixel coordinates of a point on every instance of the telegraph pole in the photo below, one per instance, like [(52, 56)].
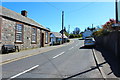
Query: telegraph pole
[(116, 8), (62, 24), (68, 29), (92, 25)]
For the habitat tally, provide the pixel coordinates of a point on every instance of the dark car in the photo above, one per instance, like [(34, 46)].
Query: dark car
[(8, 48)]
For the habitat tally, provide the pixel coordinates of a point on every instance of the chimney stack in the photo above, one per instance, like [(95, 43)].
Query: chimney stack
[(24, 13)]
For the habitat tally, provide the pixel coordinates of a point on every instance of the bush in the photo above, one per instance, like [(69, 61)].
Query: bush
[(75, 35), (101, 32)]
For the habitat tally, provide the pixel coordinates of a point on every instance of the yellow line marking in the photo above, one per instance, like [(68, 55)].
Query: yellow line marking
[(26, 56)]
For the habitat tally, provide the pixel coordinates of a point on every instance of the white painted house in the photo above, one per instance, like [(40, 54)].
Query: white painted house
[(55, 38)]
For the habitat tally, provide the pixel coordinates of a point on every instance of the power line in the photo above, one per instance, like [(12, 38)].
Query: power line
[(54, 7), (85, 6)]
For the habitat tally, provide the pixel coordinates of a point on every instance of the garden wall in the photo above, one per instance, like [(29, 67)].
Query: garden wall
[(110, 42)]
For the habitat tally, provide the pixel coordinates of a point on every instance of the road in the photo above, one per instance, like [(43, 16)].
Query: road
[(70, 61)]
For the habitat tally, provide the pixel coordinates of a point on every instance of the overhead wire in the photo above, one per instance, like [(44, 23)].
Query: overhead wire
[(54, 6), (72, 11), (77, 10)]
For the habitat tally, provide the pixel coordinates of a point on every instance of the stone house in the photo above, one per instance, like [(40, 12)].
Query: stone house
[(17, 29)]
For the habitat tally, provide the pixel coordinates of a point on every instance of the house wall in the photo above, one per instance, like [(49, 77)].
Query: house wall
[(53, 38), (8, 35)]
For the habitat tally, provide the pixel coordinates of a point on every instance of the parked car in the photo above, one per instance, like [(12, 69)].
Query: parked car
[(7, 48), (89, 42)]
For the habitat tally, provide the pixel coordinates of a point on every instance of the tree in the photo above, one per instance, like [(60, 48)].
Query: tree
[(108, 25), (64, 30), (77, 30)]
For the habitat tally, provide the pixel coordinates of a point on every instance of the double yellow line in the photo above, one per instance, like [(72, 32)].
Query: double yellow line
[(26, 56)]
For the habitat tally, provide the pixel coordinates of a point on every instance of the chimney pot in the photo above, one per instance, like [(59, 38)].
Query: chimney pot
[(24, 13)]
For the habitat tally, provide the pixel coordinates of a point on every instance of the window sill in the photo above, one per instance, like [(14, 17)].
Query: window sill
[(33, 42), (18, 42)]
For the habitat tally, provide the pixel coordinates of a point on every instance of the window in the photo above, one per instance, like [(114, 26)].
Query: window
[(19, 33), (34, 35), (46, 41)]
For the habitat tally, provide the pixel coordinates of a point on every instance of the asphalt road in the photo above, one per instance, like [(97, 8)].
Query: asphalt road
[(70, 61)]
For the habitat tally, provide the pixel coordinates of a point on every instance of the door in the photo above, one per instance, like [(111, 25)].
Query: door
[(42, 39)]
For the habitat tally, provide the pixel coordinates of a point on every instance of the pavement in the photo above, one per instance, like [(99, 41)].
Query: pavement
[(106, 62)]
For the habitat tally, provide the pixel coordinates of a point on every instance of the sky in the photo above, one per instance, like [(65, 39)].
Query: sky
[(76, 14)]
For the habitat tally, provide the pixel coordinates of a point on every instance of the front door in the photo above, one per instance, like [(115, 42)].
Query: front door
[(42, 39)]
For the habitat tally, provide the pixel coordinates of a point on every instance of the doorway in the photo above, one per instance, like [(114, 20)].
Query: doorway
[(42, 39)]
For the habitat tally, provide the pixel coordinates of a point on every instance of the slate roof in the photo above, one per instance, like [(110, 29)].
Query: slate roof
[(16, 16), (59, 35), (56, 34)]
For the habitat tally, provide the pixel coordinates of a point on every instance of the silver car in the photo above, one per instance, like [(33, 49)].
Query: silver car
[(89, 42)]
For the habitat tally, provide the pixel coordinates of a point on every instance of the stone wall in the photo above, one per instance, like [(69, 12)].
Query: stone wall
[(8, 31), (8, 35), (110, 42)]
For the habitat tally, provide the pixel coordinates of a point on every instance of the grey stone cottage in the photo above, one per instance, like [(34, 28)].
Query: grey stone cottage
[(17, 29)]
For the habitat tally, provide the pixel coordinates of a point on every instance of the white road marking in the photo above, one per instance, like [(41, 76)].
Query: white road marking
[(58, 55), (71, 48), (24, 72)]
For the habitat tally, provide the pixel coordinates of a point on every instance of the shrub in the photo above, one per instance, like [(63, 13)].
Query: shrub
[(100, 32)]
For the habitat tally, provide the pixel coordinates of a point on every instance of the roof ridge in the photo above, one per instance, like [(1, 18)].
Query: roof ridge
[(17, 16)]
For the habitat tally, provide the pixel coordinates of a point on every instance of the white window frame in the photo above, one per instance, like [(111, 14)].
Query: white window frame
[(46, 37), (34, 34), (19, 32)]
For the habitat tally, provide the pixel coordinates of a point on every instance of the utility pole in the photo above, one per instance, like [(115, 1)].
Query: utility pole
[(68, 29), (116, 8), (62, 24), (92, 25)]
